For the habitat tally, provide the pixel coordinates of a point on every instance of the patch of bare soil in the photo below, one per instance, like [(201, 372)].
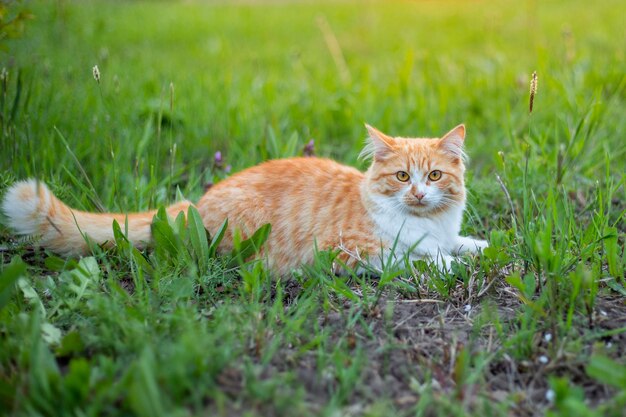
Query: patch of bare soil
[(425, 342)]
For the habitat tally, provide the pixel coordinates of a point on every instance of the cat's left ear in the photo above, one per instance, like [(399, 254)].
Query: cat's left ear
[(452, 142), (379, 145)]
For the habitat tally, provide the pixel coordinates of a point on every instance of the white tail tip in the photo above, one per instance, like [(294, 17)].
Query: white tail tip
[(24, 204)]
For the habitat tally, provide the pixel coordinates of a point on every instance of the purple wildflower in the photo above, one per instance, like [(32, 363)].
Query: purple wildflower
[(309, 149), (217, 159)]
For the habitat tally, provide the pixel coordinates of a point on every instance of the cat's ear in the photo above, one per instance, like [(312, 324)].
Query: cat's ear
[(379, 146), (452, 142)]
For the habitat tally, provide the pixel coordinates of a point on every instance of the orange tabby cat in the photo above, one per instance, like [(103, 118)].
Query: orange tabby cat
[(412, 197)]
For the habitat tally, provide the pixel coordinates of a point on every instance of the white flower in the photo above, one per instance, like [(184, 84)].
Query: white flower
[(543, 359), (550, 395)]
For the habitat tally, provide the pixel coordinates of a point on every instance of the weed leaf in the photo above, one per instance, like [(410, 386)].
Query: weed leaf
[(198, 237), (9, 276)]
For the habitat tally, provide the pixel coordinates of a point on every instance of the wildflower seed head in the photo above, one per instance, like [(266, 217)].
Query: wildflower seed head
[(533, 91), (96, 73)]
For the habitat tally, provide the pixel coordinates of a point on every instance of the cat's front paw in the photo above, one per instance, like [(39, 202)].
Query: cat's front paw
[(480, 244), (444, 263), (469, 245)]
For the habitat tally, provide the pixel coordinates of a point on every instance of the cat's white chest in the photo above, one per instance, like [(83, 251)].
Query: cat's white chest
[(419, 236)]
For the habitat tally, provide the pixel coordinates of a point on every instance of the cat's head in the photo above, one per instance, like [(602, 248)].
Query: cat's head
[(419, 176)]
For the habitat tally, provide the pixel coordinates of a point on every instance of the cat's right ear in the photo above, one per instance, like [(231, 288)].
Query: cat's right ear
[(379, 146), (452, 143)]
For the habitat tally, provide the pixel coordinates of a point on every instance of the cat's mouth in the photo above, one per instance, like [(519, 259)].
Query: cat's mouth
[(418, 204), (424, 207)]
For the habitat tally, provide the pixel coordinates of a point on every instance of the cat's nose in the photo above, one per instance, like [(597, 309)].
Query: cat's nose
[(419, 195)]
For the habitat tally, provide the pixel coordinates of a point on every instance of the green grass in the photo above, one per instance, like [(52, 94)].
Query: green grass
[(536, 325)]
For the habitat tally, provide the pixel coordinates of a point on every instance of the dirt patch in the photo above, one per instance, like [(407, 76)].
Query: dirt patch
[(422, 344)]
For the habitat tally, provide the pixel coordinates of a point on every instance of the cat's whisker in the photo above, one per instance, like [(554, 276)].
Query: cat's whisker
[(447, 202), (399, 205)]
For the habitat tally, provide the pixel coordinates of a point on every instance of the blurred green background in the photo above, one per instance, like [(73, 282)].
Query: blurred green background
[(249, 77)]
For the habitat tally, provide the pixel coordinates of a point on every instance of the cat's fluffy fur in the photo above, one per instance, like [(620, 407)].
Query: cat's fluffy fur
[(308, 201)]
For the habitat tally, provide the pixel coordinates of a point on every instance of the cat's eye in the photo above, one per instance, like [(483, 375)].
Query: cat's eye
[(434, 175), (402, 176)]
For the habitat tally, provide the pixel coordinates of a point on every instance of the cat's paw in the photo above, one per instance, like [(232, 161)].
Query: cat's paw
[(469, 245), (480, 244), (444, 263)]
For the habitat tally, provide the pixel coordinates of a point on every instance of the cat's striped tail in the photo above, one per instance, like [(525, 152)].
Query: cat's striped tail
[(32, 210)]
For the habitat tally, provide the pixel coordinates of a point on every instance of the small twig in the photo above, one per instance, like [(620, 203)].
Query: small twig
[(462, 314), (421, 301), (405, 320), (470, 288), (485, 288)]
